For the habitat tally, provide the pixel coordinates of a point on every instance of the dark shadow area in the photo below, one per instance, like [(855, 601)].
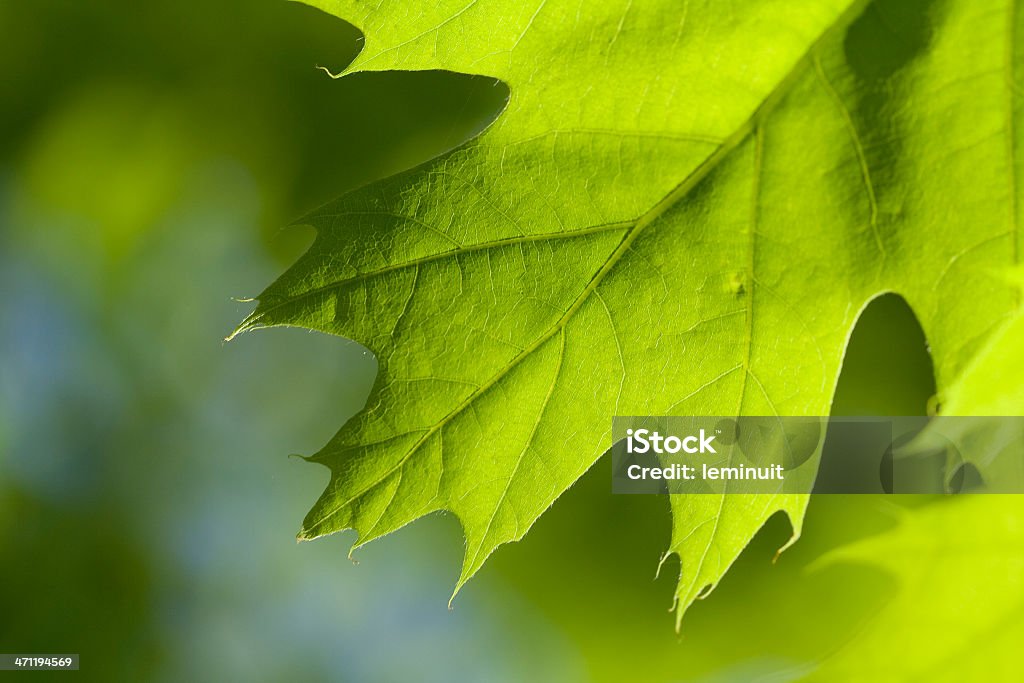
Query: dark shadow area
[(887, 369), (589, 565), (880, 47), (887, 37), (239, 79)]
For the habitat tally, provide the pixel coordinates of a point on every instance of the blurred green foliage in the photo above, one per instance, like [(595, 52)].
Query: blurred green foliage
[(150, 154)]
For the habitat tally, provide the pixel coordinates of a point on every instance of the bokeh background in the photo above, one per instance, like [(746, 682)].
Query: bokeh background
[(150, 156)]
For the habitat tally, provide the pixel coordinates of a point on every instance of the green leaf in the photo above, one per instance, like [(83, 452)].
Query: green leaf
[(991, 386), (993, 383), (682, 210), (956, 615)]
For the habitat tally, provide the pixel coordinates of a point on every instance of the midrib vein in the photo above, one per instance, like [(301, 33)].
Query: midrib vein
[(631, 235)]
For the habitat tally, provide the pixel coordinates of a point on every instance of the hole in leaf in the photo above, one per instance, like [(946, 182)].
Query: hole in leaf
[(887, 369)]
